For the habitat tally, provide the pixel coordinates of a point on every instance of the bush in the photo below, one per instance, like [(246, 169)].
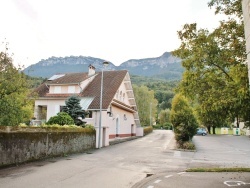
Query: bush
[(183, 119), (62, 118), (186, 145), (158, 126), (166, 126), (148, 130), (90, 126)]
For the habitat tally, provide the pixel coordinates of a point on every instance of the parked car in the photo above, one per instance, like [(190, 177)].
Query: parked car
[(201, 131)]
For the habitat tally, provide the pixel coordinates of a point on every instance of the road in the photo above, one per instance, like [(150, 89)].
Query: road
[(212, 151), (128, 164), (120, 165)]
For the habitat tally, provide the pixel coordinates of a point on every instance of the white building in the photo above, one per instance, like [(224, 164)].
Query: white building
[(246, 14), (119, 111)]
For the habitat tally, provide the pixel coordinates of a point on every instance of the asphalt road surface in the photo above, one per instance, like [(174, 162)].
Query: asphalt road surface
[(128, 164), (212, 151)]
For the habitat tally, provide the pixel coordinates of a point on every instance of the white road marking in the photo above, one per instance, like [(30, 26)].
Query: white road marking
[(157, 181), (181, 173), (150, 186), (235, 183), (168, 176)]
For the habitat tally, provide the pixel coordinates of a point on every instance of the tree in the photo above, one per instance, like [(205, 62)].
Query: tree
[(74, 109), (15, 107), (164, 98), (183, 119), (215, 74), (146, 103), (164, 116), (231, 35)]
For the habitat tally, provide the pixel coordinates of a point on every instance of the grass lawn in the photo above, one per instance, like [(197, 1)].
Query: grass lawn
[(218, 170)]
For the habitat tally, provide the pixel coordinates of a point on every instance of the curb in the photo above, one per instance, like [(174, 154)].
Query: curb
[(121, 140)]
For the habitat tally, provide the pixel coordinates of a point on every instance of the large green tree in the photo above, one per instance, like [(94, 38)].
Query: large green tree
[(215, 74), (15, 107), (146, 104)]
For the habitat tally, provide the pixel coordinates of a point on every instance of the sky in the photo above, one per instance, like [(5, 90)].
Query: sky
[(113, 30)]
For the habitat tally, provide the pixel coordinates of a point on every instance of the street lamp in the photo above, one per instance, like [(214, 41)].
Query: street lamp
[(105, 63)]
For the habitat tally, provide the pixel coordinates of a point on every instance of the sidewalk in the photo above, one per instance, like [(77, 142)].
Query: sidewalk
[(120, 140)]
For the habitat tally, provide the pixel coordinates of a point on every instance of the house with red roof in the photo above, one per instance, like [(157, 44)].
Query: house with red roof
[(119, 116)]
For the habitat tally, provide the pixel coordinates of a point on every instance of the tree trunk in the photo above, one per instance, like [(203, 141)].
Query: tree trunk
[(209, 129), (238, 121), (214, 130)]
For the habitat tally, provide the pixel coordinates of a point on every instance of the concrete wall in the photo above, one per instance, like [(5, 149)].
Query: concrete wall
[(19, 147)]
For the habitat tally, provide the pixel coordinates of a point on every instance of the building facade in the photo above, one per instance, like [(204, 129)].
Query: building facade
[(118, 111), (246, 14)]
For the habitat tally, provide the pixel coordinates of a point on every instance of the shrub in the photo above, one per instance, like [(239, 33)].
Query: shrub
[(148, 130), (186, 145), (90, 126), (62, 118), (158, 126), (22, 125), (166, 126), (183, 119)]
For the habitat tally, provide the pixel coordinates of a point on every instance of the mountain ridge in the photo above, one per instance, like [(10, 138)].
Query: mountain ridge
[(165, 66)]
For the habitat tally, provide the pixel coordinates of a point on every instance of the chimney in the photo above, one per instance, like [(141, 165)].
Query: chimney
[(91, 70)]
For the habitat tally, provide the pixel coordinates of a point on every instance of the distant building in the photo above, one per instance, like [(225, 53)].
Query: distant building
[(119, 111), (246, 14)]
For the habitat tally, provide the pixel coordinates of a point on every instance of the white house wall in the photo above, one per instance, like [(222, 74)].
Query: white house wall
[(122, 91), (246, 13), (64, 89), (74, 88), (117, 125), (120, 126), (53, 106)]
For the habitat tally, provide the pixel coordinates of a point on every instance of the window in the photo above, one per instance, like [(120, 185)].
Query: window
[(89, 115), (71, 89), (57, 89), (120, 95), (123, 97)]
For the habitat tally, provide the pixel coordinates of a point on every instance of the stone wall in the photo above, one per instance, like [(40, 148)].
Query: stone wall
[(19, 147)]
